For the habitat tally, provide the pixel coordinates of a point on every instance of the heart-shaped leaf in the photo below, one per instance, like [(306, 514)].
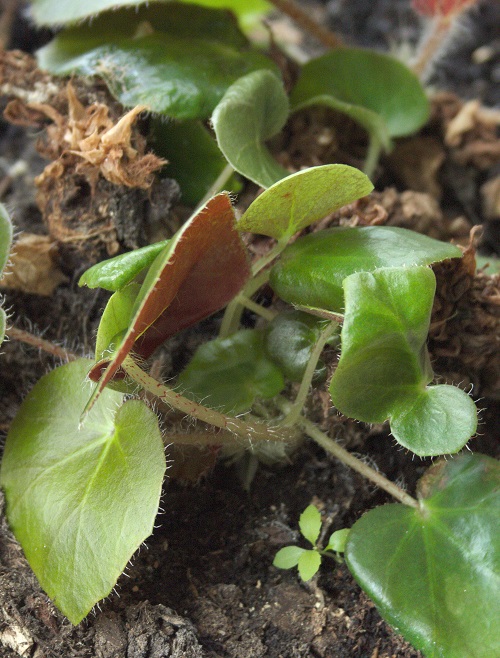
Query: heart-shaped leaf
[(175, 59), (230, 373), (290, 340), (53, 12), (252, 110), (305, 197), (391, 95), (114, 273), (199, 271), (194, 159), (384, 366), (81, 500), (433, 571), (310, 271)]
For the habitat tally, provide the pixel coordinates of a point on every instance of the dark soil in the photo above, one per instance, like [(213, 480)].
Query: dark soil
[(204, 586)]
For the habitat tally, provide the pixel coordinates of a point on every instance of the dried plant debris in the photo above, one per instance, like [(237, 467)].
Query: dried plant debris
[(464, 338), (469, 130), (33, 266), (97, 195)]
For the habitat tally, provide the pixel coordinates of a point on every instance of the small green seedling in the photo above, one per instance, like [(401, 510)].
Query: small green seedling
[(306, 560)]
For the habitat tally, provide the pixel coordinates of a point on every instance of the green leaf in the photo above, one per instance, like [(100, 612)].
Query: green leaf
[(309, 564), (288, 557), (384, 367), (194, 159), (434, 571), (253, 109), (175, 59), (387, 98), (338, 540), (289, 341), (198, 272), (115, 273), (115, 320), (53, 12), (81, 499), (3, 319), (305, 197), (310, 271), (310, 524), (230, 373)]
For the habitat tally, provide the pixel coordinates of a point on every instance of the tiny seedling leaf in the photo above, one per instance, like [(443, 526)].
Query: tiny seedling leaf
[(253, 109), (175, 59), (53, 12), (309, 564), (115, 273), (230, 373), (310, 271), (338, 540), (289, 340), (194, 159), (198, 272), (305, 197), (310, 524), (81, 499), (434, 571), (387, 98), (384, 368), (288, 557)]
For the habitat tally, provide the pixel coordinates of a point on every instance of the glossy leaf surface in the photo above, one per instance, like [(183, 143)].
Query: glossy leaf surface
[(230, 373), (310, 271), (199, 271), (305, 197), (253, 109), (393, 100), (310, 524), (384, 368), (290, 340), (81, 499), (194, 159), (114, 273), (175, 59), (53, 12), (434, 572)]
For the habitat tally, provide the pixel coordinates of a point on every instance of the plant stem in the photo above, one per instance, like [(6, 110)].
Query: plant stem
[(302, 18), (42, 344), (296, 407), (347, 458), (251, 431), (431, 45), (265, 313), (232, 314), (216, 186), (372, 156)]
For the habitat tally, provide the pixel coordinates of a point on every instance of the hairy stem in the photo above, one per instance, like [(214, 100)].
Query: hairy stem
[(251, 431), (42, 344), (304, 20), (431, 45), (265, 313), (232, 314), (347, 458)]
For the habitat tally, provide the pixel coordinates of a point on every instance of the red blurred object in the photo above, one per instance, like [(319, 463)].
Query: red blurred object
[(446, 8)]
